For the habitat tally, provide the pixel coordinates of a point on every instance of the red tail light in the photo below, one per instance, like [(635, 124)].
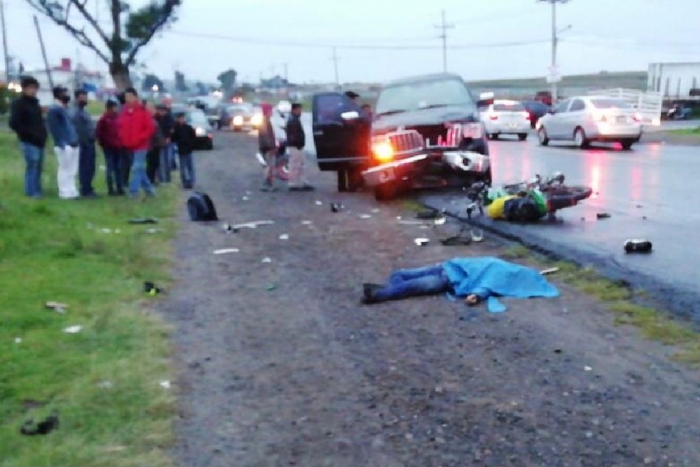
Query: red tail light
[(527, 116), (493, 117)]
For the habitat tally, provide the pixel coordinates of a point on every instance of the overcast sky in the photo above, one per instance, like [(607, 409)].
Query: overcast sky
[(381, 40)]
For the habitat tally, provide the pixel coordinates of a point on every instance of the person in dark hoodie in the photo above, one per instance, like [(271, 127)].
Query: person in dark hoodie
[(27, 121), (107, 133), (296, 140), (185, 138), (65, 140), (85, 128), (155, 148)]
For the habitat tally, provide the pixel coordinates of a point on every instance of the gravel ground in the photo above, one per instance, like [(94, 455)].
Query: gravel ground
[(279, 364)]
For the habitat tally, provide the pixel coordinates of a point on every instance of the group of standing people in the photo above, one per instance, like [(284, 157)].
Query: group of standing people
[(127, 132)]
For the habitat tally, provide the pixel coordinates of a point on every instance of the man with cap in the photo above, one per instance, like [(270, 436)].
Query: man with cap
[(27, 121), (65, 141), (85, 128), (107, 133)]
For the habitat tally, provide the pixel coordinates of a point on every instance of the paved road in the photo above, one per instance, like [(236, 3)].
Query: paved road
[(650, 192)]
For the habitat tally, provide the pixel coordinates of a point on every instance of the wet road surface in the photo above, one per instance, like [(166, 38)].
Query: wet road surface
[(650, 192)]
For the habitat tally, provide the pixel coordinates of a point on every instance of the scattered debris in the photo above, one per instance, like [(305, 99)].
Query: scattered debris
[(284, 237), (153, 231), (477, 235), (73, 329), (319, 203), (143, 220), (306, 222), (603, 215), (365, 216), (375, 210), (545, 272), (422, 241), (440, 221), (165, 384), (57, 307), (638, 246), (224, 251), (18, 340), (245, 225), (587, 368), (271, 287), (244, 198), (105, 384), (337, 207), (44, 427), (150, 288), (266, 260)]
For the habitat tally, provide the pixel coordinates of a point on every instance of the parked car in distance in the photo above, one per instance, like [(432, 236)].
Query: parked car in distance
[(536, 109), (505, 117), (244, 117), (586, 119)]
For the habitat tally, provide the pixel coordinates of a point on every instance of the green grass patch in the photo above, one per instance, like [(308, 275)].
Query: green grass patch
[(686, 131), (96, 108), (105, 380)]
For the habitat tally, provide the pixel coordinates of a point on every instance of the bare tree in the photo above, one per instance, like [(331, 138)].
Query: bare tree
[(119, 45)]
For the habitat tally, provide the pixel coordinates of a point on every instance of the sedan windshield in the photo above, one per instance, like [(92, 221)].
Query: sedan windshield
[(610, 104), (514, 107), (198, 119), (423, 95)]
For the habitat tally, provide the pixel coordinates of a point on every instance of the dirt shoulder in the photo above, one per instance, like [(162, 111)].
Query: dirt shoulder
[(669, 137), (280, 365)]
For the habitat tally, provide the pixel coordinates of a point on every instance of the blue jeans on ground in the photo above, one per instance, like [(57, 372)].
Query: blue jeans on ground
[(164, 164), (113, 161), (186, 169), (405, 283), (139, 179), (34, 159), (86, 168)]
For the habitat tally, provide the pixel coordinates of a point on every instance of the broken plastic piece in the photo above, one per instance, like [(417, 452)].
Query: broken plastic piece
[(165, 384), (143, 220), (422, 241), (365, 216), (603, 215), (638, 246), (319, 203), (224, 251), (247, 225), (266, 260), (150, 288), (477, 235), (544, 272), (306, 222), (284, 237), (73, 329), (57, 307)]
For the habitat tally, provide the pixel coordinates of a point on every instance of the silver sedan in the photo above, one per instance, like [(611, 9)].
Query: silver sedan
[(587, 119)]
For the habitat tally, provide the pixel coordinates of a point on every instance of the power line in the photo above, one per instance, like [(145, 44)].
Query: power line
[(444, 27)]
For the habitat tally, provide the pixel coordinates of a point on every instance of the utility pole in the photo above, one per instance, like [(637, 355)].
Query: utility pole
[(444, 27), (43, 51), (554, 77), (4, 43), (286, 72), (335, 66)]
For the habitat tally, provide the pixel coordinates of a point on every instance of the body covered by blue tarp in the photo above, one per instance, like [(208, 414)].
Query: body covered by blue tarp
[(490, 277)]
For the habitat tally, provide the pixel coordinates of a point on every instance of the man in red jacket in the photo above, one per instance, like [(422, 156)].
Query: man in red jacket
[(107, 133), (136, 128)]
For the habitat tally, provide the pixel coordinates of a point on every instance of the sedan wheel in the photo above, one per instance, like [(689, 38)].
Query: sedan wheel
[(580, 138), (542, 136)]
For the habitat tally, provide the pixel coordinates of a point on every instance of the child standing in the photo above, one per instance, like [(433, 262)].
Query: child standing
[(184, 137)]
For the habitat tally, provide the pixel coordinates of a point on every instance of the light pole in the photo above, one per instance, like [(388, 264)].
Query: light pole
[(554, 77)]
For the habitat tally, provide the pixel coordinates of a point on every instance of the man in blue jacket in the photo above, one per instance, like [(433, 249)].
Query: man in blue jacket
[(473, 279), (65, 142), (27, 121), (85, 129)]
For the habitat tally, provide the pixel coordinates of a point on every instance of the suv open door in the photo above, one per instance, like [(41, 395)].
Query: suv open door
[(341, 136)]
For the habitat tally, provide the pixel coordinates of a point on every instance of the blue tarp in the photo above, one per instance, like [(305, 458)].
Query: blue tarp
[(490, 277)]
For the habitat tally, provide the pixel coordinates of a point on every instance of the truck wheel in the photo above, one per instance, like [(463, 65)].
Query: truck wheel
[(385, 192), (522, 136), (627, 144), (343, 181)]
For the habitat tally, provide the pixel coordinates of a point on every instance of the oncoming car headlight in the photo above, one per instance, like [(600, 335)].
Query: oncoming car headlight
[(383, 151), (257, 119), (238, 120), (200, 131)]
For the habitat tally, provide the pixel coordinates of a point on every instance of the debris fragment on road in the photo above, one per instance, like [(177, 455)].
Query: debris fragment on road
[(638, 246), (143, 220), (545, 272), (284, 237), (57, 307), (603, 215), (245, 225), (422, 241), (224, 251), (266, 260), (73, 329)]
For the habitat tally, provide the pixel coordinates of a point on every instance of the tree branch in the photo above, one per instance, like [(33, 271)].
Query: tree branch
[(51, 11), (90, 19), (168, 10)]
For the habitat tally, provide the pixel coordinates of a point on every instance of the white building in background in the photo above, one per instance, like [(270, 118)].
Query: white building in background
[(94, 82), (674, 80)]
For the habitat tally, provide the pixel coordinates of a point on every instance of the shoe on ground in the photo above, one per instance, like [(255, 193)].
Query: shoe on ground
[(368, 293)]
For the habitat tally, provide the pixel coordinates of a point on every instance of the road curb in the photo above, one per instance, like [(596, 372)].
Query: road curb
[(677, 300)]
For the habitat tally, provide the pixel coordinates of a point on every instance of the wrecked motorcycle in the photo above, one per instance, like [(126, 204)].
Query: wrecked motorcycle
[(546, 196)]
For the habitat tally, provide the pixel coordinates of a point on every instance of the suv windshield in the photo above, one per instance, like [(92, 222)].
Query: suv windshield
[(514, 107), (609, 104), (198, 118), (422, 95)]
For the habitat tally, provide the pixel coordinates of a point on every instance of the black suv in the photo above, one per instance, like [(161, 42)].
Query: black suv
[(426, 133)]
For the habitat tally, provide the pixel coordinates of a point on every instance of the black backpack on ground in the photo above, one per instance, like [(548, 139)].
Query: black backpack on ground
[(521, 209), (201, 208)]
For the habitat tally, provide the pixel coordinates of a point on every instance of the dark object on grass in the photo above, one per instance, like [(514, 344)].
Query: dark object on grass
[(150, 288), (638, 246), (201, 208), (603, 215), (143, 221), (429, 214), (44, 427)]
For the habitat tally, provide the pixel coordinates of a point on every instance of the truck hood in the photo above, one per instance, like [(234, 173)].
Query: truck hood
[(435, 116)]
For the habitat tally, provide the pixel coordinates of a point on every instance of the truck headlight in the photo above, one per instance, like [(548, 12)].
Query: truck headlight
[(238, 120), (383, 151), (199, 131), (257, 119)]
